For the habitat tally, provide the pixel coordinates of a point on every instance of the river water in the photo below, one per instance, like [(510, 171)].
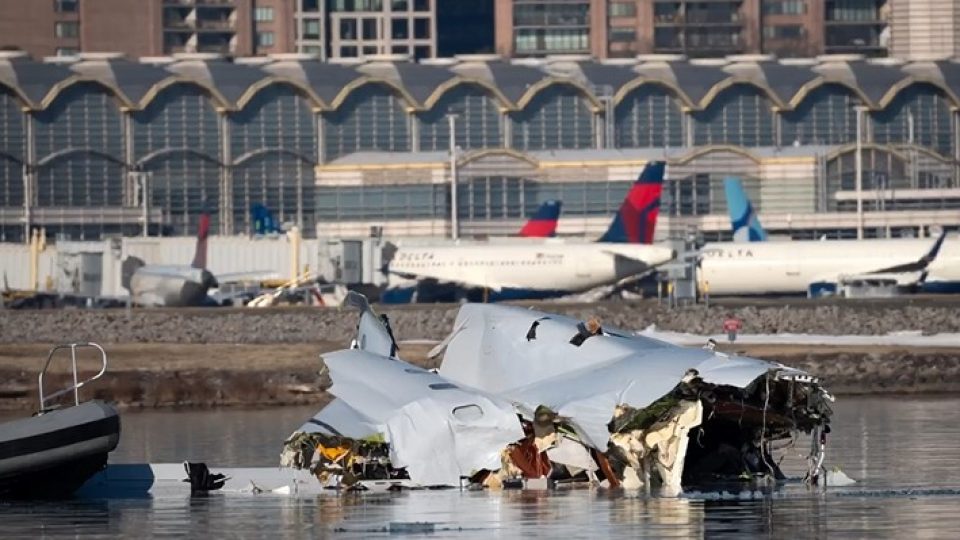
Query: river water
[(904, 452)]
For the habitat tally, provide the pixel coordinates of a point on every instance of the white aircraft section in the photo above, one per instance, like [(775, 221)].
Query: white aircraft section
[(789, 267), (406, 403), (547, 266), (497, 349)]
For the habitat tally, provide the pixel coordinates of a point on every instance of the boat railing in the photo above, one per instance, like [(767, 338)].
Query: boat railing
[(77, 384)]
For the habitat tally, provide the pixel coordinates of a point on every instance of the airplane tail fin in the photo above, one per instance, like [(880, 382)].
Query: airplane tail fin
[(544, 222), (263, 221), (200, 257), (636, 220), (743, 218), (127, 268)]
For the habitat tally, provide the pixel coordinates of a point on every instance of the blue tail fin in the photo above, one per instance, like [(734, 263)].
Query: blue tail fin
[(263, 222), (743, 219), (636, 220), (544, 222)]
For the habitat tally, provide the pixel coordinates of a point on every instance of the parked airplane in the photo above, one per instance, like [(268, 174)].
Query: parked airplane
[(543, 223), (743, 218), (542, 270), (820, 267), (169, 285)]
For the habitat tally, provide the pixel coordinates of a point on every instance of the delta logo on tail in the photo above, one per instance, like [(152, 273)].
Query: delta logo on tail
[(743, 218), (636, 221), (263, 222), (543, 224)]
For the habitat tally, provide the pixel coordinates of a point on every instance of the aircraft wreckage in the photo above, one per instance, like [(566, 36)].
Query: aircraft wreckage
[(523, 397)]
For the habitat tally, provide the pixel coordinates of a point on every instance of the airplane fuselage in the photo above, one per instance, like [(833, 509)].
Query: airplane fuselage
[(789, 267), (170, 286), (570, 267)]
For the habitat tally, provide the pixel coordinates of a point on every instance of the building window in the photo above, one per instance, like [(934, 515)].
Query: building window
[(311, 29), (66, 29), (784, 7), (66, 51), (369, 29), (263, 14), (421, 28), (623, 34), (399, 5), (310, 6), (264, 39), (348, 29), (623, 9), (421, 5), (401, 49), (348, 52), (312, 49), (65, 6), (399, 29), (786, 31), (421, 52), (353, 6)]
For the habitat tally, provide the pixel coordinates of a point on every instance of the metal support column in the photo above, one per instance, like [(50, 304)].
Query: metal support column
[(226, 177), (859, 170), (454, 210), (29, 173)]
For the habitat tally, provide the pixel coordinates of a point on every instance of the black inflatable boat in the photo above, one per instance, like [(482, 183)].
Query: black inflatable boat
[(51, 454)]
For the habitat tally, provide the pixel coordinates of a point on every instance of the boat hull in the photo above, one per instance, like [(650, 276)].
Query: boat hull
[(52, 455)]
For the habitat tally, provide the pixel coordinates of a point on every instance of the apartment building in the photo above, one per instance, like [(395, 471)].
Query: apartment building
[(327, 28), (695, 28)]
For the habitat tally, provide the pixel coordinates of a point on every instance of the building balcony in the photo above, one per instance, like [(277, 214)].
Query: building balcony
[(864, 22), (214, 24)]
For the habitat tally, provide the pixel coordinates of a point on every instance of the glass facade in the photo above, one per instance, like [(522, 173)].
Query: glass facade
[(649, 117), (557, 117), (741, 115), (551, 26), (203, 153), (825, 116)]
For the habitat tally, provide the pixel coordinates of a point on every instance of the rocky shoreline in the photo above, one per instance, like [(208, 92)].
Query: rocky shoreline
[(260, 375), (304, 325), (244, 357)]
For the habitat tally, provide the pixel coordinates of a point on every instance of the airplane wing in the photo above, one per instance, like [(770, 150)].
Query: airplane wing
[(443, 277), (902, 275), (248, 275), (920, 264)]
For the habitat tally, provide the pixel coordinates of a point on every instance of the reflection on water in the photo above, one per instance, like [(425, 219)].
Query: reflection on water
[(894, 445)]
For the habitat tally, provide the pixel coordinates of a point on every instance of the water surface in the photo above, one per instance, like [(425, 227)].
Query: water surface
[(904, 451)]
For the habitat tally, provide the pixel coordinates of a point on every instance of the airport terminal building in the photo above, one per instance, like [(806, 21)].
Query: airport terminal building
[(355, 148)]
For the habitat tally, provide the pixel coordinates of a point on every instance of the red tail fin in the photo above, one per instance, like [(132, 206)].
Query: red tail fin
[(636, 220), (544, 222), (200, 257)]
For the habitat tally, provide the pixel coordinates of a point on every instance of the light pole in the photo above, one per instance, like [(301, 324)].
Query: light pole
[(859, 170), (143, 186), (454, 218)]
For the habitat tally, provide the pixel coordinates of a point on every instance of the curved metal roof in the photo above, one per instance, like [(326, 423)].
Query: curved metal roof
[(696, 83), (132, 79), (30, 79), (231, 80)]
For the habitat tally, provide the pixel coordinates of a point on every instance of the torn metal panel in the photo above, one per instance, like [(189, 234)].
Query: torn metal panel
[(338, 418), (436, 429), (374, 334)]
